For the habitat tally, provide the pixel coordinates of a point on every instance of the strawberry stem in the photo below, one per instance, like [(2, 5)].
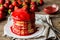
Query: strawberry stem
[(9, 11)]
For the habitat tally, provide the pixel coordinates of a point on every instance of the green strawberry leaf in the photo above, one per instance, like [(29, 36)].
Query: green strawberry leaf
[(9, 11)]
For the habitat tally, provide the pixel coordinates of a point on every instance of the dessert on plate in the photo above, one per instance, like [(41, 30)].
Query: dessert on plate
[(23, 23)]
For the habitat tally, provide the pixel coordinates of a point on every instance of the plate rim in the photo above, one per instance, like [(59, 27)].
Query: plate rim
[(25, 37)]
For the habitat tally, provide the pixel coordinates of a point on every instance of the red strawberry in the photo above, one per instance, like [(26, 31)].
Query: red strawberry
[(19, 2), (32, 9), (8, 1), (6, 5), (15, 8), (41, 1), (24, 3), (11, 6), (14, 3), (1, 8), (25, 8), (32, 3), (1, 16), (2, 1), (27, 1)]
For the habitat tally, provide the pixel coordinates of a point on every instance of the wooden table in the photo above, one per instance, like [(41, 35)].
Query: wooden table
[(47, 2)]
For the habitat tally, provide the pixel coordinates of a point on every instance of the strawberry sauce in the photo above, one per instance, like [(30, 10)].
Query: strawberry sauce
[(23, 23)]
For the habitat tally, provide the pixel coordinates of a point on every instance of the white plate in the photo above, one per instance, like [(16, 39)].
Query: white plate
[(38, 23), (8, 32)]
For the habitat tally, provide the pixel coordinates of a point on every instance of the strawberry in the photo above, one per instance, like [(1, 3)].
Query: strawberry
[(32, 8), (2, 1), (32, 3), (24, 3), (19, 2), (15, 8), (25, 8), (8, 1), (6, 5), (11, 6), (14, 3), (28, 1), (2, 8), (1, 15), (41, 2)]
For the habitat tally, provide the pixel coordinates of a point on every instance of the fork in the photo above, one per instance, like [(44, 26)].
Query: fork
[(50, 26)]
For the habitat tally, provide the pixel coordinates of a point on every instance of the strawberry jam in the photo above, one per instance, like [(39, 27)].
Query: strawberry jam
[(49, 10)]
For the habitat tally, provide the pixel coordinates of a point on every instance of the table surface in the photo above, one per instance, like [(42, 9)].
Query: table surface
[(47, 2)]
